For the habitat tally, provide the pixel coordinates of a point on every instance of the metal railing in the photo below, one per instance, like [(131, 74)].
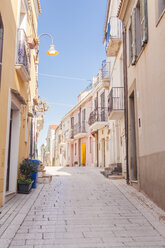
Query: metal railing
[(79, 128), (23, 51), (114, 29), (106, 69), (116, 99), (98, 115)]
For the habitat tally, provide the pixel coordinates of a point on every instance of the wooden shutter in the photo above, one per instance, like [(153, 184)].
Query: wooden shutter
[(133, 30), (144, 21), (84, 114), (96, 103)]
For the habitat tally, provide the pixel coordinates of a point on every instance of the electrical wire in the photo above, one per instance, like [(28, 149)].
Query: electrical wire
[(62, 77)]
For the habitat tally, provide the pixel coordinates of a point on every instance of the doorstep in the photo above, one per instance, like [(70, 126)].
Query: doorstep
[(115, 177), (9, 196)]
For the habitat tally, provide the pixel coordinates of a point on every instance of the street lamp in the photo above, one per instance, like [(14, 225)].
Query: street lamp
[(51, 50)]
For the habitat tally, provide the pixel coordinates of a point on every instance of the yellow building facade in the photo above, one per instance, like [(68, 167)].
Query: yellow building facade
[(18, 87)]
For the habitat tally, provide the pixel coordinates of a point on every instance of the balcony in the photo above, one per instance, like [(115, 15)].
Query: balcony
[(23, 56), (105, 73), (98, 118), (113, 37), (102, 79), (116, 103), (80, 130)]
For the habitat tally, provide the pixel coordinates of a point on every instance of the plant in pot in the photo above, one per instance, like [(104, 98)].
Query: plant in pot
[(25, 182), (75, 163)]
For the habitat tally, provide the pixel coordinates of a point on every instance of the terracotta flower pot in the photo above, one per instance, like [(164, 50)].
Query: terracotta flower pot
[(31, 42)]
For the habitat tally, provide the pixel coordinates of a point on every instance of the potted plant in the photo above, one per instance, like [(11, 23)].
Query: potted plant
[(33, 42), (75, 163), (25, 182)]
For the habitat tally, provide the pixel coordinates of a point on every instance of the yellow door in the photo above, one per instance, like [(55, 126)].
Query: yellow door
[(83, 157)]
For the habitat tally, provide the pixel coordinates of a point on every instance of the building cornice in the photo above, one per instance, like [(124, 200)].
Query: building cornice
[(122, 9), (85, 99)]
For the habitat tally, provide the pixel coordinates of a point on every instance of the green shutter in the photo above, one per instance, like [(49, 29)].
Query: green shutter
[(133, 29), (144, 21)]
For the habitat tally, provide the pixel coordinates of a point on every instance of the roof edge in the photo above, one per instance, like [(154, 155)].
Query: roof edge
[(106, 19)]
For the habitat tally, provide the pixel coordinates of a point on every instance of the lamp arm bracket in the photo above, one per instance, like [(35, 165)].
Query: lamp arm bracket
[(46, 34)]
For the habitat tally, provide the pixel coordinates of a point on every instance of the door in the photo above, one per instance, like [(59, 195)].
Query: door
[(83, 120), (9, 152), (133, 155), (83, 157), (13, 149), (103, 152)]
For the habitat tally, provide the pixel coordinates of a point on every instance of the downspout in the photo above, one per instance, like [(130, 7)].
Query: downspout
[(97, 148), (125, 98), (98, 112)]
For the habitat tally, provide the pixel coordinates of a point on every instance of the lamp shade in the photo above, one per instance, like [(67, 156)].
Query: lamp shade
[(52, 51)]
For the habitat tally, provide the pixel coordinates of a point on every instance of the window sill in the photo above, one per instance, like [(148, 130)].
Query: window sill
[(160, 18)]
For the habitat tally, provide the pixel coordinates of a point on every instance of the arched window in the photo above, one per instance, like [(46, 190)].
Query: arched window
[(1, 44)]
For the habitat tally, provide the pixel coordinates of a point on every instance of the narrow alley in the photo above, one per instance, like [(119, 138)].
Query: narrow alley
[(80, 208)]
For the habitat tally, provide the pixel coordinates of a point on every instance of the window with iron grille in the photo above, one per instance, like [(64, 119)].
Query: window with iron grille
[(75, 149)]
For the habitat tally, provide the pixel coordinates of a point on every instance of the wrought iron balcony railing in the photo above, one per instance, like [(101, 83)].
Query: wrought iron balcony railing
[(106, 68), (116, 99), (98, 115), (114, 29), (79, 128), (23, 51)]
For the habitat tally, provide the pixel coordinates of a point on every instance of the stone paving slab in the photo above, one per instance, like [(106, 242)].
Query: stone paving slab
[(81, 209)]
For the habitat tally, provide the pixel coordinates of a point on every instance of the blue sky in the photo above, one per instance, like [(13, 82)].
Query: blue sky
[(77, 27)]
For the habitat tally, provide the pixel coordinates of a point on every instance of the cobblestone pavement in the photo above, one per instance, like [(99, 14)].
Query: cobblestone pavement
[(81, 209)]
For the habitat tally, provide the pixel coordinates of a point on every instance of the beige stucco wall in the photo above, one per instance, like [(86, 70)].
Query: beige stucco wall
[(147, 78)]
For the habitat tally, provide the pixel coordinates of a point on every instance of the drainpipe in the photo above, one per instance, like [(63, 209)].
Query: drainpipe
[(97, 148), (125, 98), (98, 112)]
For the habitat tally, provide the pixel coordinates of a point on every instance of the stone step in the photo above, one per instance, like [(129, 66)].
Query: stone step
[(44, 179), (115, 177)]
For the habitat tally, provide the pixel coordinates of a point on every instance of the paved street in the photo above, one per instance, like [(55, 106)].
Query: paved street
[(81, 209)]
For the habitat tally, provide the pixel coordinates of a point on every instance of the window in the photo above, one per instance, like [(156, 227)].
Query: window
[(72, 127), (90, 145), (121, 72), (96, 103), (107, 144), (138, 30), (160, 7), (83, 119), (75, 149), (102, 100), (1, 44), (26, 129), (23, 16), (36, 8)]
